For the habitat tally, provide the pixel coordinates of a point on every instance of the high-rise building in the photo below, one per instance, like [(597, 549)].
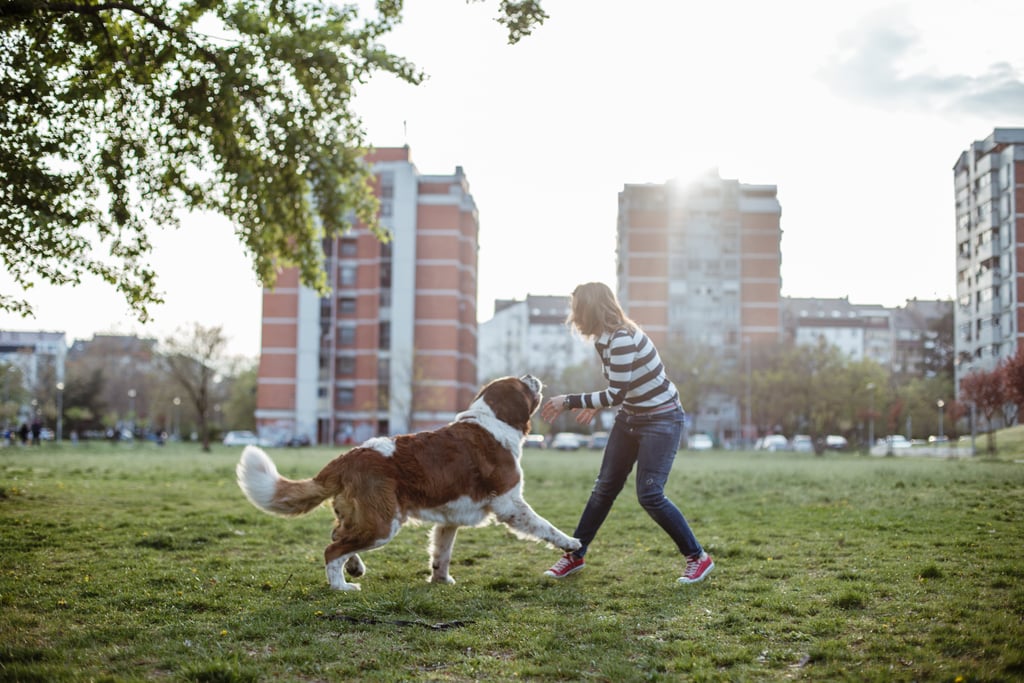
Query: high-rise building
[(701, 261), (989, 316), (393, 348), (699, 266)]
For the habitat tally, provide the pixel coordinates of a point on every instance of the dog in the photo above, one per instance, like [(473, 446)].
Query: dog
[(464, 474)]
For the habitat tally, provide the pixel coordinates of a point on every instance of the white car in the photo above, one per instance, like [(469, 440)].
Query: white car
[(700, 442), (835, 442), (772, 442), (896, 442), (566, 441), (802, 443), (241, 438), (534, 441)]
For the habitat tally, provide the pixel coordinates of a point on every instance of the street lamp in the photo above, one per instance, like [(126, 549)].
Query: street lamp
[(746, 344), (177, 417), (941, 404), (871, 414), (60, 411)]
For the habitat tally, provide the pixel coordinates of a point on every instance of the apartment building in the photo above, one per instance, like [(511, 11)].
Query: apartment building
[(530, 336), (393, 349), (35, 361), (989, 185), (699, 266), (909, 341)]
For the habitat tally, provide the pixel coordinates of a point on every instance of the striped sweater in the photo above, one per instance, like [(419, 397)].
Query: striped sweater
[(636, 376)]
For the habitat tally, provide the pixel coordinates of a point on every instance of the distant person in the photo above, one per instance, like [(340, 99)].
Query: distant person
[(37, 430), (646, 432), (23, 434)]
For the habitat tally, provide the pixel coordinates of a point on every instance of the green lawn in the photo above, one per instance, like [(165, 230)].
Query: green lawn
[(143, 563)]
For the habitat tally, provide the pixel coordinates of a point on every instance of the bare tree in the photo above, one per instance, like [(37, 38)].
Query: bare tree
[(192, 357)]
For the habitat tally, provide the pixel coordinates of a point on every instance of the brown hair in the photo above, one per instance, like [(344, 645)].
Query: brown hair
[(595, 310)]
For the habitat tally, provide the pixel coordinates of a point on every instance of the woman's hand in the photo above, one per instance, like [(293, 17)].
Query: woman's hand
[(553, 408)]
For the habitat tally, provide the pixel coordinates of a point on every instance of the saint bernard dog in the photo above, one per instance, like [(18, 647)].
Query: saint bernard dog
[(463, 474)]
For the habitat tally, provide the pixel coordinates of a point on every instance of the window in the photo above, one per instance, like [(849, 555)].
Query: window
[(347, 276), (387, 185), (346, 335), (345, 396), (346, 366), (349, 246), (385, 335), (346, 305)]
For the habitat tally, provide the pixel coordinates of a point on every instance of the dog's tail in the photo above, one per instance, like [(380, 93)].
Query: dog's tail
[(270, 492)]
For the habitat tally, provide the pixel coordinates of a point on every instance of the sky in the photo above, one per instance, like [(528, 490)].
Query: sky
[(857, 112)]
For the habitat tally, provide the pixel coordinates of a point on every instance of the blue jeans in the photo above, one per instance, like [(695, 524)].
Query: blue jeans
[(649, 441)]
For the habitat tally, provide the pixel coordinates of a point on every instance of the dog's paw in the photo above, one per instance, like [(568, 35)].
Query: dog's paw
[(441, 579), (346, 587), (574, 544)]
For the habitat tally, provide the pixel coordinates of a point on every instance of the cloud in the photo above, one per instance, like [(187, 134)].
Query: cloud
[(870, 66)]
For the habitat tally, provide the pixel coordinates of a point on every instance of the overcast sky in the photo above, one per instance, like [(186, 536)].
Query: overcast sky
[(856, 111)]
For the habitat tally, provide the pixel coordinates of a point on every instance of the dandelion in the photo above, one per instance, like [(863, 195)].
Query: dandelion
[(62, 603), (223, 631), (318, 613)]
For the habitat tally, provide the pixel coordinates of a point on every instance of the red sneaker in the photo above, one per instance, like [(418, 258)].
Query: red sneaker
[(697, 568), (568, 564)]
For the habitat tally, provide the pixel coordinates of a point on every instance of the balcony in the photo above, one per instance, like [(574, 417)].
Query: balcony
[(987, 250), (989, 278)]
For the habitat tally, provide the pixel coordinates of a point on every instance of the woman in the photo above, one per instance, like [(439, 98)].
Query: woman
[(646, 432)]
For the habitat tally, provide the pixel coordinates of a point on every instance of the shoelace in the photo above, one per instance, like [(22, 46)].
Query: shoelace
[(692, 565), (563, 563)]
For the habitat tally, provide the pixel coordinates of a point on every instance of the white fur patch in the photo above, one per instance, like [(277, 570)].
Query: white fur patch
[(336, 574), (463, 511), (382, 444), (257, 477), (507, 435)]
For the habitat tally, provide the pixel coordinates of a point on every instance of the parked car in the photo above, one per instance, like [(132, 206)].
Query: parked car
[(566, 441), (835, 442), (534, 441), (772, 442), (896, 442), (241, 438), (700, 442), (802, 443), (599, 440)]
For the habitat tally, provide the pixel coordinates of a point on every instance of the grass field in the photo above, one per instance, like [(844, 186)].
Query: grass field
[(146, 563)]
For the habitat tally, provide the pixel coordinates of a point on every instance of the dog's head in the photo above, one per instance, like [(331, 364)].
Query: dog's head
[(513, 399)]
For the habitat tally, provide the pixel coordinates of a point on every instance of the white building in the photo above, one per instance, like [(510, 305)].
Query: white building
[(39, 358), (530, 337), (989, 316), (902, 339)]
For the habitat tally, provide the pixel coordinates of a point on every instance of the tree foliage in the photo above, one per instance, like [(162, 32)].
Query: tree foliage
[(118, 117), (985, 391)]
